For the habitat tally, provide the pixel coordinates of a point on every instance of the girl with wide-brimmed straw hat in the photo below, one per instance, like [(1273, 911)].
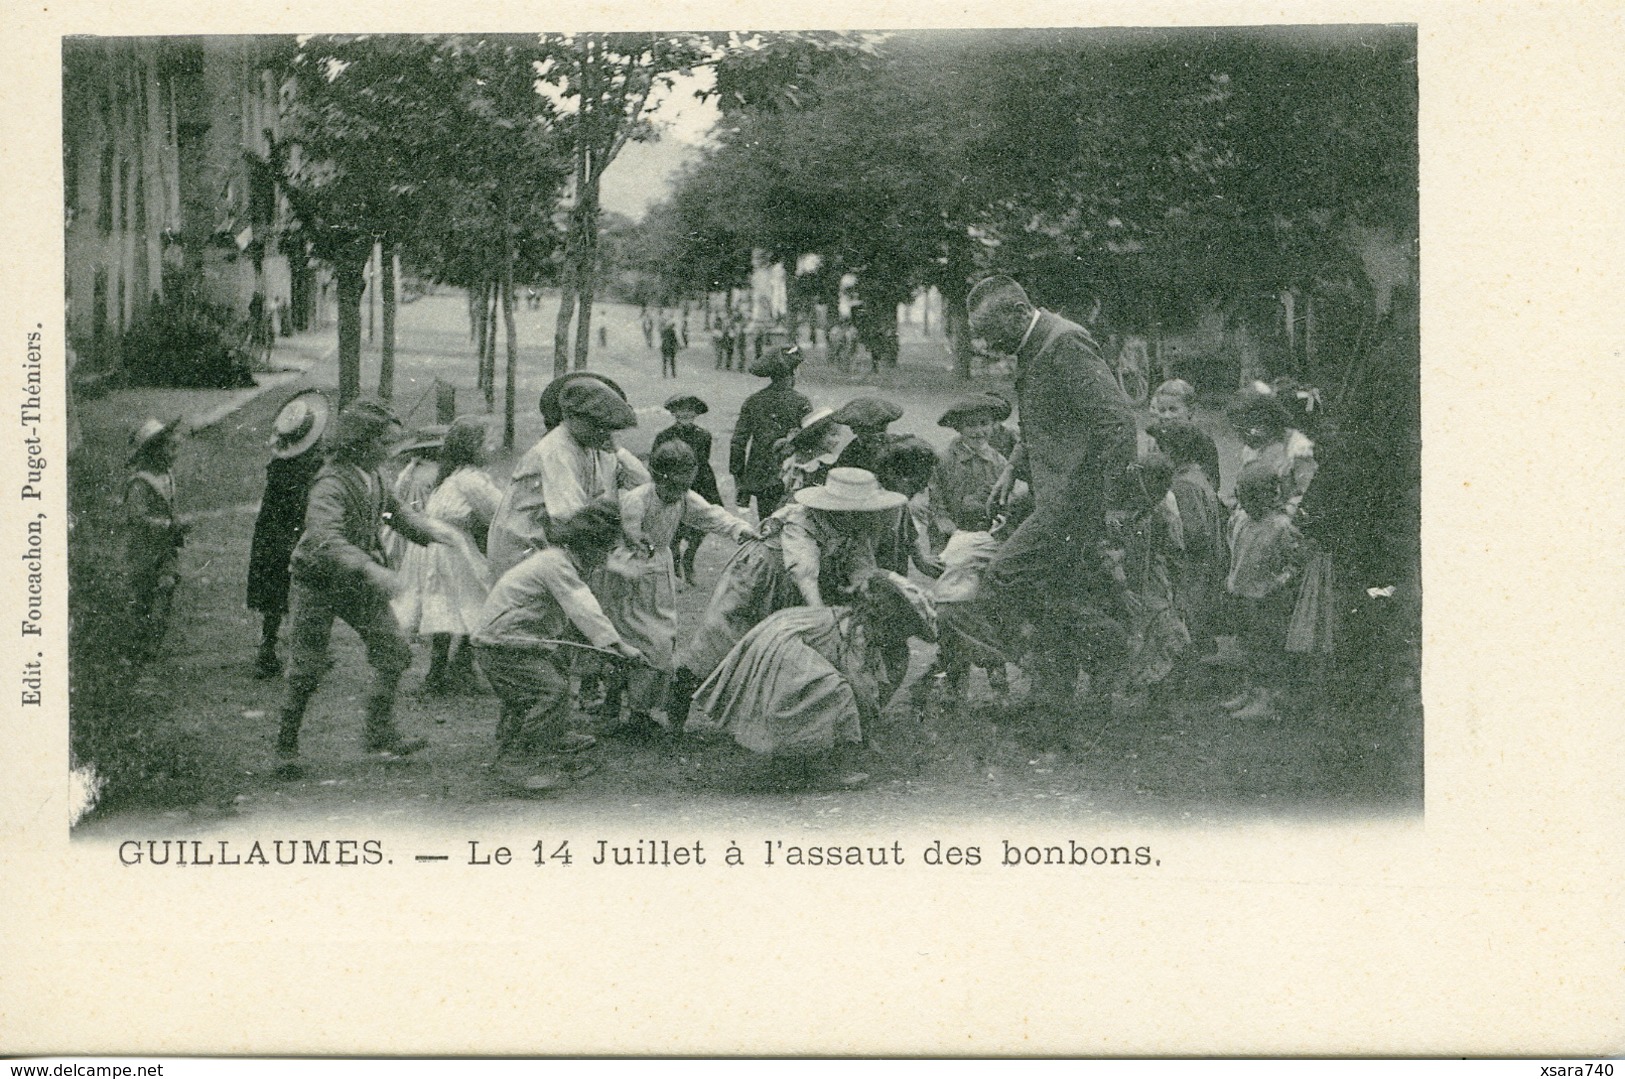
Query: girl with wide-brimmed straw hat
[(806, 682), (809, 451), (154, 531), (296, 455), (815, 550)]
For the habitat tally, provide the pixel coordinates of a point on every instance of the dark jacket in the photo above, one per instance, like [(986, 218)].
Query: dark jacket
[(699, 440), (765, 417), (340, 549), (278, 527), (1077, 425)]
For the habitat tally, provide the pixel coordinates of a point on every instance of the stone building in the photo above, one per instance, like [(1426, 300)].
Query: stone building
[(164, 148)]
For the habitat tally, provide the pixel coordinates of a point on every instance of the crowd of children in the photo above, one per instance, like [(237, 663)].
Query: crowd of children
[(566, 578)]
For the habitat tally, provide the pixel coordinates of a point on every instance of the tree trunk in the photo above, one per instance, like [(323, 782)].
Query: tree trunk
[(584, 325), (491, 350), (956, 321), (561, 324), (512, 372), (479, 313), (586, 267), (386, 362), (351, 281)]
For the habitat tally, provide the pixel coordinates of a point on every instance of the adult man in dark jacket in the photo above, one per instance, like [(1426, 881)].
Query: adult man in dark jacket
[(1078, 434), (766, 416), (339, 571)]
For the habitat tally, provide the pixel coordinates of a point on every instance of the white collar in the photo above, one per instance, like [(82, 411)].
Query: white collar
[(1030, 326)]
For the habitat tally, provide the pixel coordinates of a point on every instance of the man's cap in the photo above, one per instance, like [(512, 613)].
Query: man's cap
[(597, 402), (868, 412), (549, 403), (363, 419)]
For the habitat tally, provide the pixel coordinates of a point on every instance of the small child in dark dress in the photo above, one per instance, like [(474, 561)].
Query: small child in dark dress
[(684, 409), (296, 456)]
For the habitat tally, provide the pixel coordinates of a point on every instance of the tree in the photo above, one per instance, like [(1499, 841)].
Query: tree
[(606, 84), (364, 115)]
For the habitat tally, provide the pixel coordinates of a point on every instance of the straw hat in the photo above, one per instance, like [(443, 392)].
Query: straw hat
[(688, 402), (850, 490), (907, 602), (150, 431), (552, 413), (300, 424)]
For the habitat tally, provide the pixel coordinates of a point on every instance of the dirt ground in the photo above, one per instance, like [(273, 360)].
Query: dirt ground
[(1356, 752)]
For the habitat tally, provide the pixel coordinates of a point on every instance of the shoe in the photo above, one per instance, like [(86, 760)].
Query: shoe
[(574, 742), (1238, 701), (853, 780), (397, 747)]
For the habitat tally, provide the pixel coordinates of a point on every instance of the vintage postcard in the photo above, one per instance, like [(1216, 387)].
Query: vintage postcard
[(1066, 530)]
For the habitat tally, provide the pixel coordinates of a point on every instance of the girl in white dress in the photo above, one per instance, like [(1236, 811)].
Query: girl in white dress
[(446, 583)]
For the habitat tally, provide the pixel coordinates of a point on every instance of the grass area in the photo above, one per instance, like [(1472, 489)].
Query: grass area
[(125, 716)]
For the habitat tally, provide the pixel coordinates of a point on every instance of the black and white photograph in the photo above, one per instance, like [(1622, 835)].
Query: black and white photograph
[(970, 421), (684, 491)]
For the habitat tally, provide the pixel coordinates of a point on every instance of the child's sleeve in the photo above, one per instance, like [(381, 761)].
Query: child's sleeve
[(802, 560), (698, 513), (580, 606)]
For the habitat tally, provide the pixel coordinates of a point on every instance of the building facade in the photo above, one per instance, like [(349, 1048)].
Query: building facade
[(166, 144)]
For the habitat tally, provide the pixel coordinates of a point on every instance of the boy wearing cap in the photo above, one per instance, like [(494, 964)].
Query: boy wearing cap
[(526, 626), (684, 409), (963, 483), (339, 572), (154, 532), (296, 456), (766, 416), (573, 464)]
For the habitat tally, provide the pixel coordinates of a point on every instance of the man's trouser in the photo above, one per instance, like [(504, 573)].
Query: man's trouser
[(365, 610), (534, 688), (1045, 574)]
